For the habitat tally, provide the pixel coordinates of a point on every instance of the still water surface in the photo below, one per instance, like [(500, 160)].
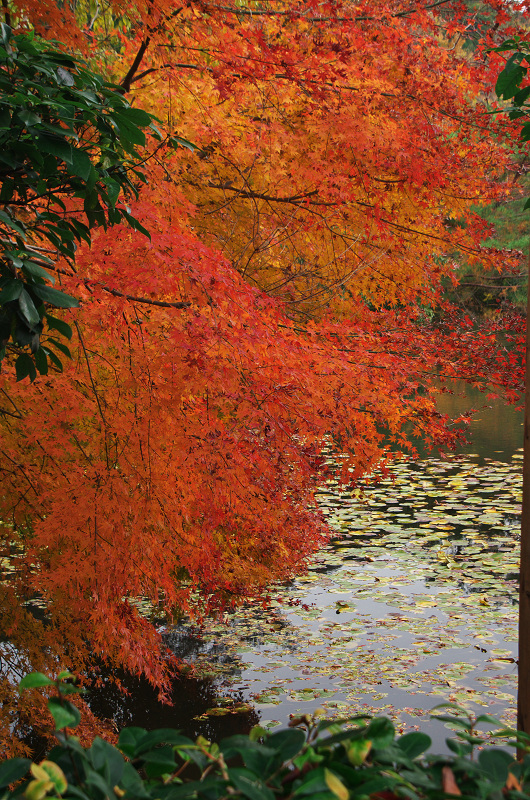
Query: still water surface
[(413, 604)]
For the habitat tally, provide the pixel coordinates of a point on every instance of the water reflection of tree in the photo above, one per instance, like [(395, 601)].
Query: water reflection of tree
[(138, 703), (495, 426)]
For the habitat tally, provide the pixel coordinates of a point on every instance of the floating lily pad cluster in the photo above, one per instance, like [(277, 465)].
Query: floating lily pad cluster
[(414, 602)]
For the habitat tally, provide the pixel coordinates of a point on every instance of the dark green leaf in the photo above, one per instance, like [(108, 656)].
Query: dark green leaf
[(178, 141), (413, 744), (136, 117), (60, 346), (28, 117), (130, 134), (15, 226), (133, 222), (53, 358), (106, 760), (132, 783), (511, 76), (64, 713), (5, 34), (380, 732), (94, 779), (208, 788), (495, 764), (113, 190), (314, 784), (67, 688), (160, 755), (75, 791), (27, 308), (31, 268), (525, 132), (260, 758), (13, 770), (11, 291), (459, 747), (161, 736), (41, 362), (159, 761), (288, 743), (54, 297), (24, 367), (128, 740), (508, 82), (81, 163), (521, 96), (471, 738), (490, 720), (59, 325), (457, 721), (249, 784), (59, 148)]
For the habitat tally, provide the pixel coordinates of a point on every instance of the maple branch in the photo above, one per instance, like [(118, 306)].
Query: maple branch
[(20, 469), (170, 66), (82, 449), (96, 394), (144, 300), (18, 414), (424, 234), (125, 83), (7, 413), (296, 199), (337, 88), (290, 14), (180, 304)]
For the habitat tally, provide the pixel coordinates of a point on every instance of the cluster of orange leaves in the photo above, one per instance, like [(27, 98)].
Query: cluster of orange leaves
[(282, 306)]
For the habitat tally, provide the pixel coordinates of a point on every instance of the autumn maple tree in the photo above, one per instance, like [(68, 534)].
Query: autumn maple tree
[(288, 301)]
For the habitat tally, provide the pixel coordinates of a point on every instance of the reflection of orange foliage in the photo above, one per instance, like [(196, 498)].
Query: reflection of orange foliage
[(280, 305)]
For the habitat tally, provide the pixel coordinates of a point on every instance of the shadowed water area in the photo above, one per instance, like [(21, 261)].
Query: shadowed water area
[(413, 604)]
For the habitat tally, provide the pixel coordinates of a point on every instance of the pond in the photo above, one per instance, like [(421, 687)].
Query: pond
[(413, 604)]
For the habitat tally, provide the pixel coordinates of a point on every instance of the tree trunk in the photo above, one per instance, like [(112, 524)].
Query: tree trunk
[(523, 696)]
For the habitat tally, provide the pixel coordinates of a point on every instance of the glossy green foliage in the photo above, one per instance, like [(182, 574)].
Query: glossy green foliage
[(359, 757), (512, 84), (68, 163), (508, 86)]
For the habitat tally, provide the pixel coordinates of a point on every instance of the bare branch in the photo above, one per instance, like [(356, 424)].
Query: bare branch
[(125, 84)]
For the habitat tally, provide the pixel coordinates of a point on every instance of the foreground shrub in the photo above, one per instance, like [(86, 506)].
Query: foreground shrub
[(360, 757)]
